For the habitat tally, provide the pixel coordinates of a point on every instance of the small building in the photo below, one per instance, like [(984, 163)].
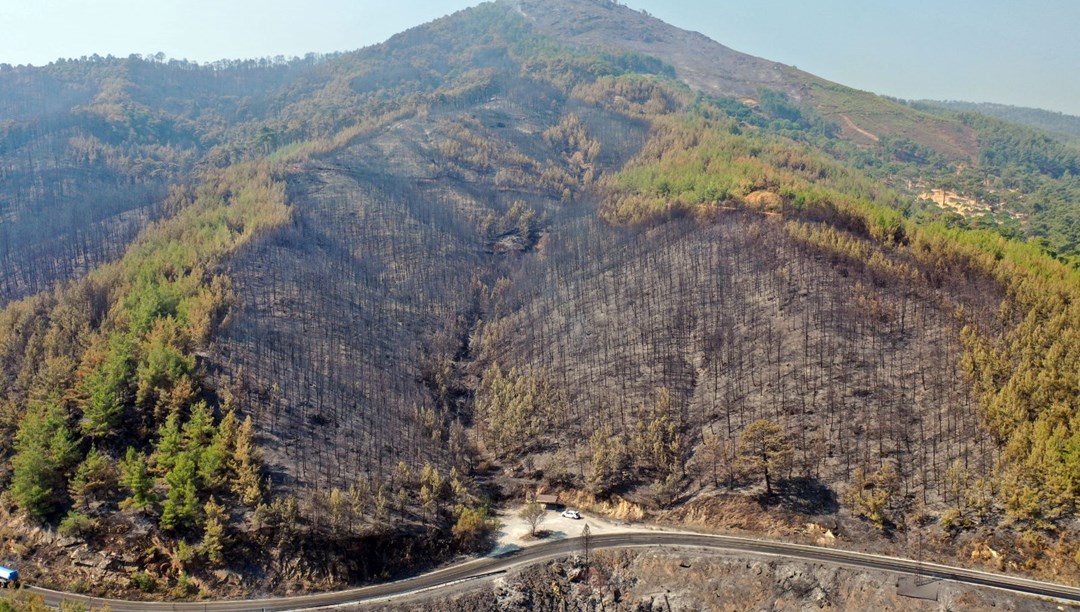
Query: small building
[(549, 501)]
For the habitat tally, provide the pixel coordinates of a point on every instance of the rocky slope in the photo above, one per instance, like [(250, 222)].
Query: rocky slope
[(670, 581)]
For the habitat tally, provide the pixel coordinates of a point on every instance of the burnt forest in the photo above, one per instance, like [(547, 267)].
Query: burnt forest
[(284, 325)]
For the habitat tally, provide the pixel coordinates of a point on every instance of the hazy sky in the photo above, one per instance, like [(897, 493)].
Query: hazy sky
[(1024, 53)]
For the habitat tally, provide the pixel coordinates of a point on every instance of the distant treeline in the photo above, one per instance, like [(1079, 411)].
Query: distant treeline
[(1062, 124)]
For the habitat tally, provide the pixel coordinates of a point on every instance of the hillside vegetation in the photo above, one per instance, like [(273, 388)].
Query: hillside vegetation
[(89, 149), (1024, 184), (1061, 124), (914, 148), (694, 175), (389, 286)]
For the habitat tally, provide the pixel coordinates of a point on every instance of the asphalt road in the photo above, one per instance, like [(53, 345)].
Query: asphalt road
[(478, 568)]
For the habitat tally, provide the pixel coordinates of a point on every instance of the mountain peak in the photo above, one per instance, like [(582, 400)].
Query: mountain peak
[(700, 62)]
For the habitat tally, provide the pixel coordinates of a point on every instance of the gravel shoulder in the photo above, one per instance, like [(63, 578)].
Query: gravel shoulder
[(514, 534)]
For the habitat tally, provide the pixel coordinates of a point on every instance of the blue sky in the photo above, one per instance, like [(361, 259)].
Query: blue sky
[(1023, 53)]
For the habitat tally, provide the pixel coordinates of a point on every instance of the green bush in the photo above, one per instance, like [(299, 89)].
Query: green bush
[(77, 524), (144, 582)]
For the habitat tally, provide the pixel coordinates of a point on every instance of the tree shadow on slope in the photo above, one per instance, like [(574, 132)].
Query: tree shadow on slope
[(805, 495)]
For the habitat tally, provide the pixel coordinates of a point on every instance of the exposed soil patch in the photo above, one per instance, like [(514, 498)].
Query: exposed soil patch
[(849, 124), (956, 202)]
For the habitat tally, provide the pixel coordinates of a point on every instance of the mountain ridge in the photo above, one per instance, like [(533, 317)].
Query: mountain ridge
[(714, 69), (1055, 122)]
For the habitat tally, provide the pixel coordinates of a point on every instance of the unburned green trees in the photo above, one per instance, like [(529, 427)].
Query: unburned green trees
[(45, 450), (764, 449), (181, 507), (135, 477), (106, 388)]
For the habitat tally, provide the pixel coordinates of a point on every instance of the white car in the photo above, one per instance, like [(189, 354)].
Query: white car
[(571, 514)]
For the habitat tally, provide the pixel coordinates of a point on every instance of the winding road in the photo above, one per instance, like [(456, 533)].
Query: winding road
[(479, 568)]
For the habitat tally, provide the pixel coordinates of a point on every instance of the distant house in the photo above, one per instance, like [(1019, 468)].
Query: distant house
[(549, 501)]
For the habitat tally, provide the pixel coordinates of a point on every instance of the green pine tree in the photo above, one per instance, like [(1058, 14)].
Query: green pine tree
[(199, 429), (216, 459), (169, 445), (135, 477), (106, 390), (181, 507), (44, 450), (95, 476)]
